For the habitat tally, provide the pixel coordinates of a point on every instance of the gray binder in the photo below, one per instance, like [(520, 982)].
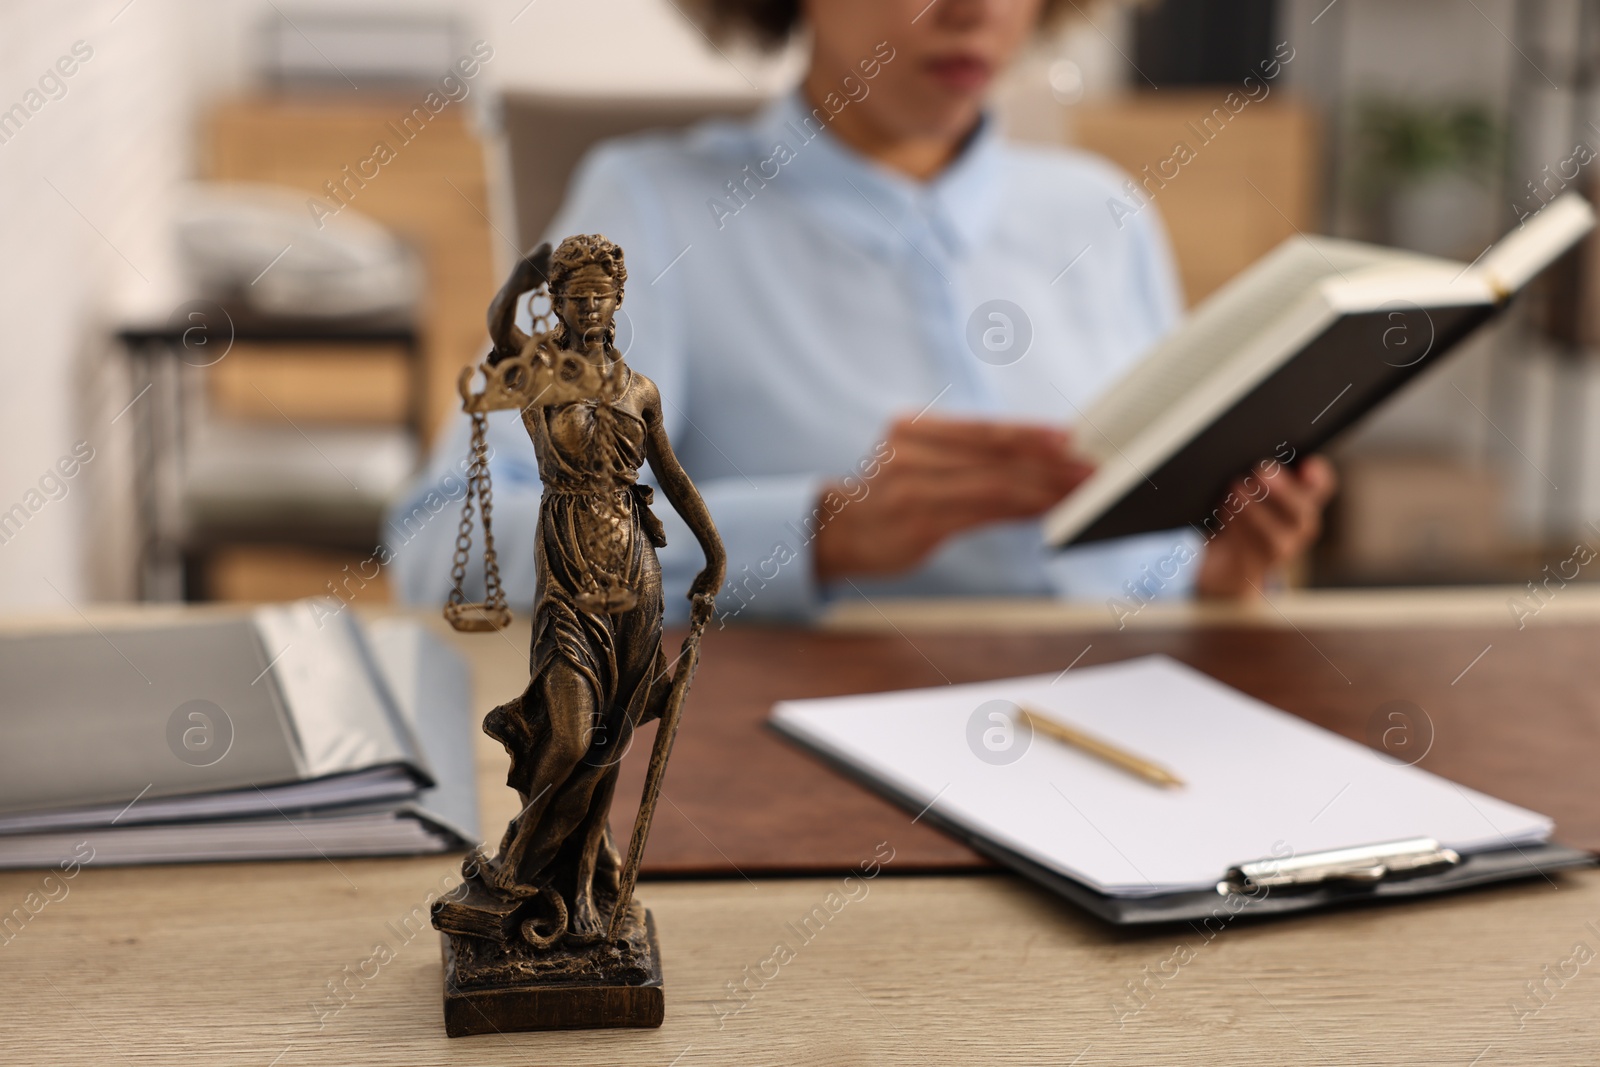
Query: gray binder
[(294, 732)]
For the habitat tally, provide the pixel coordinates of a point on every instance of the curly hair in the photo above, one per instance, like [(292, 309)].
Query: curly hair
[(586, 250), (770, 23)]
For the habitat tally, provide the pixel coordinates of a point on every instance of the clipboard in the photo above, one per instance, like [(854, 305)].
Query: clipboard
[(1309, 892), (1398, 868)]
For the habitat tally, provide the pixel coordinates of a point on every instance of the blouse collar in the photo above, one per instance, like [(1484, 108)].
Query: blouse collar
[(865, 197)]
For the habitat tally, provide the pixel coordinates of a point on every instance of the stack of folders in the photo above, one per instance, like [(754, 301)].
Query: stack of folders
[(295, 732), (1146, 791)]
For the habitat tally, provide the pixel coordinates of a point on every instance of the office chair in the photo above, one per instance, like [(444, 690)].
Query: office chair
[(542, 136)]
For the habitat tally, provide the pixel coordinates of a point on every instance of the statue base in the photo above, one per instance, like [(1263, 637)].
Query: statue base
[(490, 986)]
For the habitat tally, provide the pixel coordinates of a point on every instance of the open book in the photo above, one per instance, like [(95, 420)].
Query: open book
[(1279, 361)]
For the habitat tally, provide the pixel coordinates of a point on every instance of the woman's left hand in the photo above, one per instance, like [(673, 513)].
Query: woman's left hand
[(1272, 528)]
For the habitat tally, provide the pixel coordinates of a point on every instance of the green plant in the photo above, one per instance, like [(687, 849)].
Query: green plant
[(1397, 143)]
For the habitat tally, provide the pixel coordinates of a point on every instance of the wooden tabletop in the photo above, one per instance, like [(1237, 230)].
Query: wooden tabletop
[(1511, 713), (326, 962)]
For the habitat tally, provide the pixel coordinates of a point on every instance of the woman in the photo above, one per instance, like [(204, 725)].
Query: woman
[(870, 317), (597, 665)]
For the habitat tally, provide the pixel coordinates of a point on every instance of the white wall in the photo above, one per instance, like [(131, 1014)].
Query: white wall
[(626, 46), (78, 184), (587, 46)]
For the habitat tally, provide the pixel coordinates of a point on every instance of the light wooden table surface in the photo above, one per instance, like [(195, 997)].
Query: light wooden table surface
[(232, 964)]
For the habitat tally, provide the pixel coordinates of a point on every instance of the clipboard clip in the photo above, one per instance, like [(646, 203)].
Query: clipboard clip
[(1366, 865)]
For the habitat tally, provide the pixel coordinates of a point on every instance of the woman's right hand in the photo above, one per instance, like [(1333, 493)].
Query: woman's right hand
[(938, 477)]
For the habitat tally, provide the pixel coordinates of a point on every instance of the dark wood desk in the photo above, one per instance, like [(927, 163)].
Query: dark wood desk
[(1520, 721)]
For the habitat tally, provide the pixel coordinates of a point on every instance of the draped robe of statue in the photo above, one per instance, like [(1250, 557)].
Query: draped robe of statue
[(596, 552)]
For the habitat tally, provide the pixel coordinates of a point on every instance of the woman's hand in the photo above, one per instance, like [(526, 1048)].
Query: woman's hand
[(936, 477), (1280, 518)]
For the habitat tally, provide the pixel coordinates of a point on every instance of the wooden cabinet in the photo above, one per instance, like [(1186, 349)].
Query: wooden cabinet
[(1229, 185), (429, 186), (433, 193)]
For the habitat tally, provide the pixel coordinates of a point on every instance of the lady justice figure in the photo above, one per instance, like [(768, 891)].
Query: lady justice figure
[(597, 665)]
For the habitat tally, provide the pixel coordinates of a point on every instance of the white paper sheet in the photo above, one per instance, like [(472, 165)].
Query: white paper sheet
[(1259, 782)]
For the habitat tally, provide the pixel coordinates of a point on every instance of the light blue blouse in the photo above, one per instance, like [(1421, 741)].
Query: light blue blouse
[(790, 297)]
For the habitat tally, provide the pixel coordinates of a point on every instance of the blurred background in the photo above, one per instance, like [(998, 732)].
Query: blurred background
[(247, 245)]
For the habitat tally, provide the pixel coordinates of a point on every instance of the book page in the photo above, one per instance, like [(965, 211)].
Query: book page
[(1222, 325), (1534, 245)]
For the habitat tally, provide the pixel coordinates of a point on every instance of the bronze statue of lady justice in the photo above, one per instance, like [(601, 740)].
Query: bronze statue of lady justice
[(545, 934)]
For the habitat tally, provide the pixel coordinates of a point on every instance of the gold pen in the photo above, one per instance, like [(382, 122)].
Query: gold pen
[(1153, 773)]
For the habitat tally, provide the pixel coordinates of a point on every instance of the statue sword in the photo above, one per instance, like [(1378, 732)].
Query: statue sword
[(666, 732)]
